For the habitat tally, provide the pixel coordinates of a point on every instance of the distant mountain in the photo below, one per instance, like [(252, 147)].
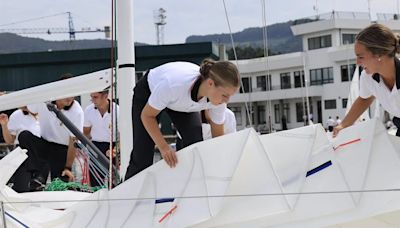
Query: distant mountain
[(280, 38), (12, 43)]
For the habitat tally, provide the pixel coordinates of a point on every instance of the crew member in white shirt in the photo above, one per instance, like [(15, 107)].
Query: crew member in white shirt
[(55, 147), (97, 124), (331, 124), (20, 120), (182, 89), (229, 124), (376, 47)]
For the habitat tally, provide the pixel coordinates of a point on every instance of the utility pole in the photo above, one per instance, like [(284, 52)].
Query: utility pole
[(159, 22)]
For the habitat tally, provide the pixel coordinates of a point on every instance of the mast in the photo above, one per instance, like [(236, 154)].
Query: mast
[(125, 77)]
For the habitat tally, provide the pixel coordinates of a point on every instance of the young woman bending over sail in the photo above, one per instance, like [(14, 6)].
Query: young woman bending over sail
[(376, 47), (182, 89)]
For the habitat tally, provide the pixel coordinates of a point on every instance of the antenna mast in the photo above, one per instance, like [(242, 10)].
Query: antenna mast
[(71, 27), (159, 21)]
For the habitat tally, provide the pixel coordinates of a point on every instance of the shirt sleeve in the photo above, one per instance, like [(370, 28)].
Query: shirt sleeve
[(365, 85), (230, 122), (87, 122), (77, 119), (217, 113), (13, 124), (161, 96)]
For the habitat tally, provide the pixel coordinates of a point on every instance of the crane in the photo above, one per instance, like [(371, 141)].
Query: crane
[(55, 30)]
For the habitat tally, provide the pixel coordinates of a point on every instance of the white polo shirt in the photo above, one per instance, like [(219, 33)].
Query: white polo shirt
[(19, 122), (229, 125), (170, 85), (100, 125), (374, 86), (51, 128)]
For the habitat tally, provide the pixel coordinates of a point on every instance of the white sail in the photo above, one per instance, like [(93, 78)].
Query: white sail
[(294, 178), (88, 83)]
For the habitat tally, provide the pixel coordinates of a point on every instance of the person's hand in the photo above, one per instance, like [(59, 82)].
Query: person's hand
[(336, 130), (2, 93), (3, 119), (113, 153), (68, 174), (169, 156)]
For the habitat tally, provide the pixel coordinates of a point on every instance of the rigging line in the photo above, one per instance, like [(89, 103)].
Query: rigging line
[(32, 19), (269, 79), (113, 64), (237, 63), (216, 196), (308, 121)]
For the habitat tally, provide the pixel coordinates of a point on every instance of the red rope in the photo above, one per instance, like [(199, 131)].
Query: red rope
[(168, 213), (347, 143)]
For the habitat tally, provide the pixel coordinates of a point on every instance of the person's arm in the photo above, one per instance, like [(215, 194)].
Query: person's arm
[(86, 132), (8, 137), (216, 129), (149, 120), (359, 106), (71, 153)]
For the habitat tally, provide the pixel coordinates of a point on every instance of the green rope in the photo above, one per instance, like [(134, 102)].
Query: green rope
[(59, 185)]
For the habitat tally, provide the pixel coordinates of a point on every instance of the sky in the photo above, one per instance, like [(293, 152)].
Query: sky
[(183, 17)]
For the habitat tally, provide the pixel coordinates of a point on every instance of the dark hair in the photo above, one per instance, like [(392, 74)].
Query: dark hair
[(103, 92), (223, 73), (379, 40), (66, 108)]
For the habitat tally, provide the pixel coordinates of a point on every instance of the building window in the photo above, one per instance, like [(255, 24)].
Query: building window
[(246, 83), (262, 83), (299, 112), (269, 82), (261, 115), (348, 38), (238, 114), (299, 80), (251, 118), (277, 113), (344, 103), (330, 104), (285, 81), (321, 76), (347, 75), (319, 42), (286, 112)]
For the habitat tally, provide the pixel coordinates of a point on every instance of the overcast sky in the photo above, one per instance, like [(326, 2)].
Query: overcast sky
[(184, 17)]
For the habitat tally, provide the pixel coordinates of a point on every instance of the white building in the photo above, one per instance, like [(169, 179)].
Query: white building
[(274, 87)]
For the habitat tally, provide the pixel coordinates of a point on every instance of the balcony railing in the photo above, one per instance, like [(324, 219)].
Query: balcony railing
[(274, 87)]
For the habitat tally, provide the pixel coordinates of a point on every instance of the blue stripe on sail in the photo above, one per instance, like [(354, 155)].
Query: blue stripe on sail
[(319, 168), (165, 200)]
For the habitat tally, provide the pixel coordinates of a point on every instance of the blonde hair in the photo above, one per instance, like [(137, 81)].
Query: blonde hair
[(223, 73), (379, 40)]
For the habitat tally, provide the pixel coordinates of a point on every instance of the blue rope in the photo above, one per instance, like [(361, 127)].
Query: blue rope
[(319, 168), (15, 219)]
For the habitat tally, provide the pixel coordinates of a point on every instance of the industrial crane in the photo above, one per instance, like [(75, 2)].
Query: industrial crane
[(70, 30)]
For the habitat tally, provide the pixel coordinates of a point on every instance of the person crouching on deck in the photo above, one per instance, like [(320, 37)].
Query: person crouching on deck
[(182, 89)]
